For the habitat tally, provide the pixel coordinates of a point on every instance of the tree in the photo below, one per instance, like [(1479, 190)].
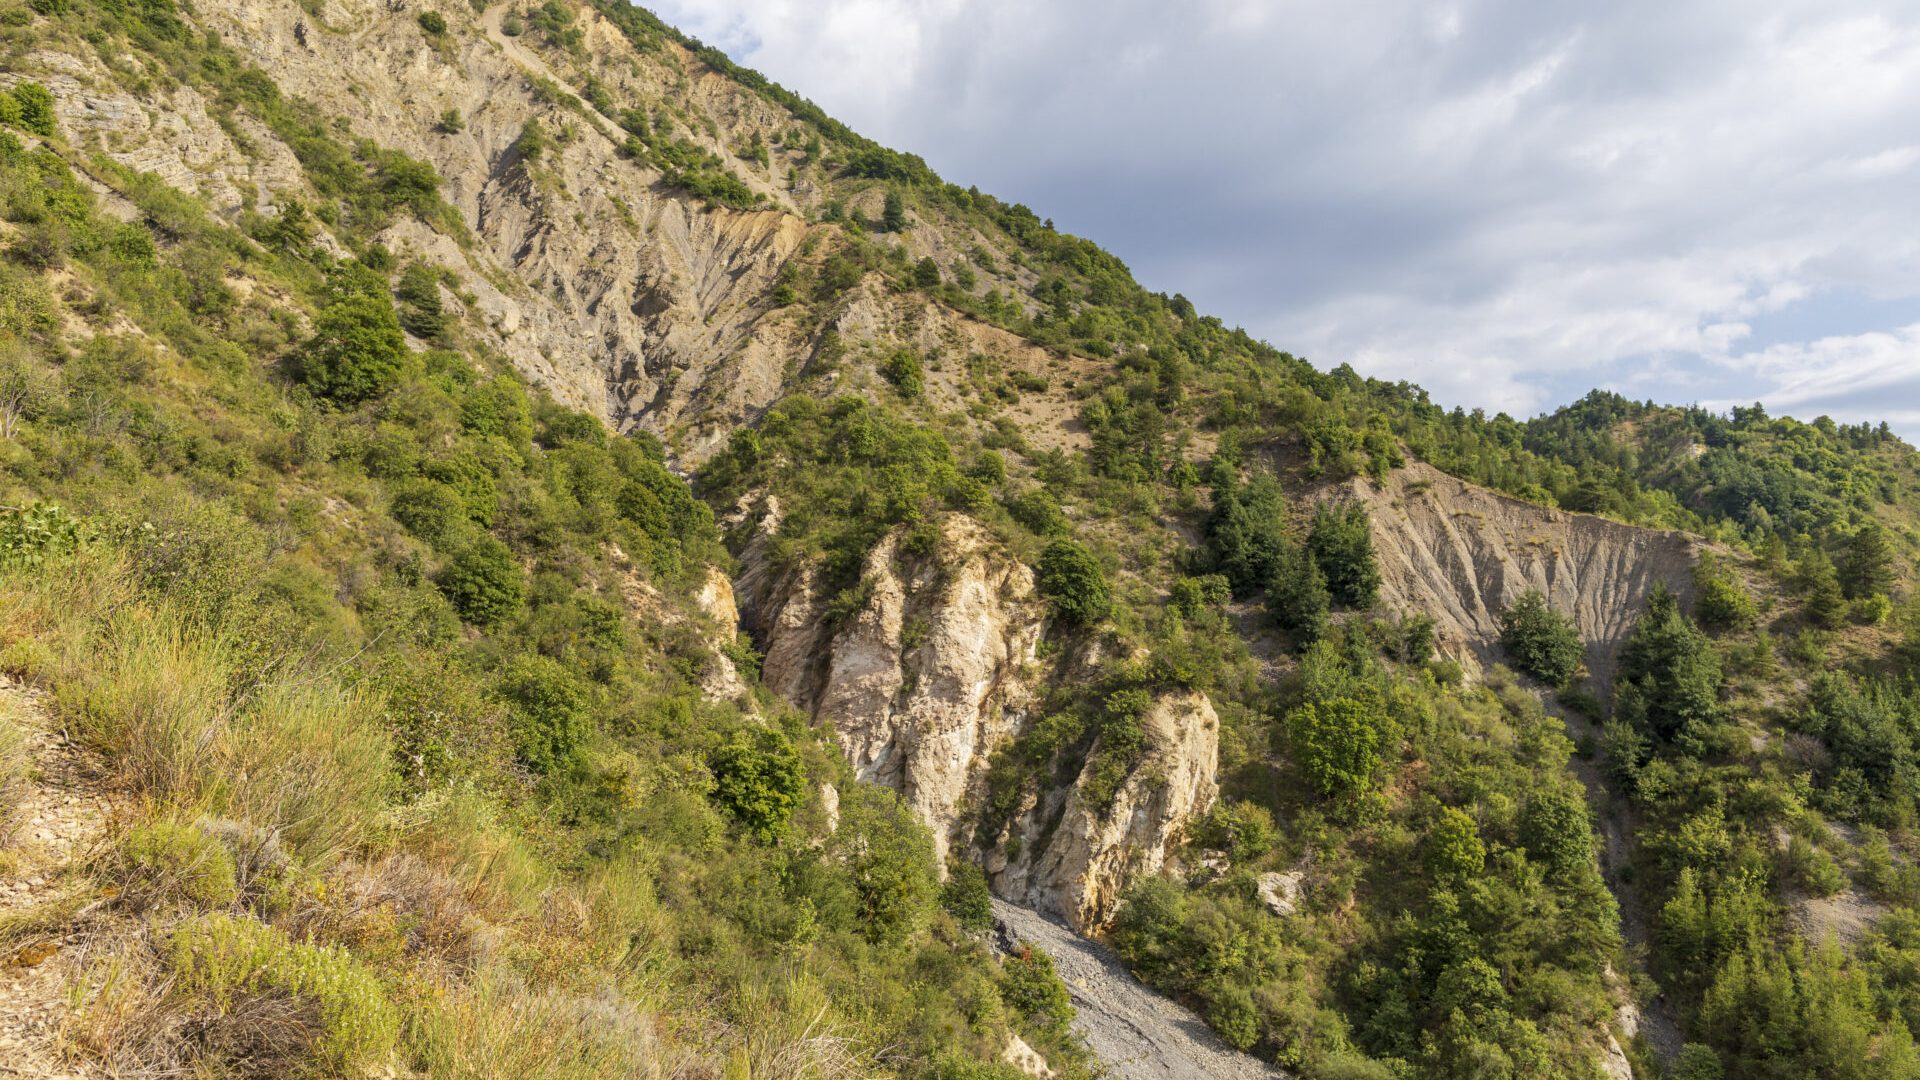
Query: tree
[(1866, 564), (1031, 988), (1247, 532), (888, 857), (1074, 581), (1341, 541), (926, 273), (1455, 854), (1539, 640), (1672, 669), (1556, 832), (893, 213), (551, 715), (356, 351), (1826, 599), (484, 582), (967, 898), (759, 779), (1297, 596), (1721, 604), (1336, 744)]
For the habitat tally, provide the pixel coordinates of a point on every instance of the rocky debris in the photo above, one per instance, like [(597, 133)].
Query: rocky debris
[(1282, 892), (1076, 858), (63, 816), (1136, 1032), (1461, 553), (1844, 918)]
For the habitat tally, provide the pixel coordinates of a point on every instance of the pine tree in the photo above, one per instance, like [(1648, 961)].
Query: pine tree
[(1673, 667), (893, 214), (1866, 566)]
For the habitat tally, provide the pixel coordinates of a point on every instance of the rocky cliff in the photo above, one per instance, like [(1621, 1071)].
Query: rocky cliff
[(935, 668)]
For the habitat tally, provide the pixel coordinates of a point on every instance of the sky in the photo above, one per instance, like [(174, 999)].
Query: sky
[(1509, 202)]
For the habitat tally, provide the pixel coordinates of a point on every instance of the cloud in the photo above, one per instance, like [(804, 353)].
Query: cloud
[(1506, 200)]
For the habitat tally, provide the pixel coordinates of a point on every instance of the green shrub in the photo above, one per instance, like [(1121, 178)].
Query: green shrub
[(759, 780), (220, 962), (484, 582), (433, 23), (1336, 744), (356, 351), (1721, 603), (967, 898), (167, 859), (903, 370), (1192, 596), (1039, 511), (1455, 854), (551, 714), (1539, 640), (1297, 596), (888, 856), (35, 105), (32, 534), (429, 510), (1074, 581), (1555, 830), (1030, 988)]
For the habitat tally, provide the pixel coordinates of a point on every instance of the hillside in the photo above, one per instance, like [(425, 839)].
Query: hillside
[(528, 550)]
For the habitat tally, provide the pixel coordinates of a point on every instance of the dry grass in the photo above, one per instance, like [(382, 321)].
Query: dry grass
[(14, 778)]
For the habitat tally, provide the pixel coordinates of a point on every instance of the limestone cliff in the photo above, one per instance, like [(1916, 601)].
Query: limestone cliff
[(1065, 854), (935, 668)]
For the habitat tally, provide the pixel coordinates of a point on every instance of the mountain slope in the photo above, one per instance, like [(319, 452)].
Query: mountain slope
[(366, 347)]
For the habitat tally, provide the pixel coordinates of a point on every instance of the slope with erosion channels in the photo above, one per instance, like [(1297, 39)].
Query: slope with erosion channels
[(1462, 554), (964, 468)]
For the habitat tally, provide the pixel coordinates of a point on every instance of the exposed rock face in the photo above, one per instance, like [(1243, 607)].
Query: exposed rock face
[(1281, 892), (933, 672), (925, 678), (1461, 554), (1066, 855)]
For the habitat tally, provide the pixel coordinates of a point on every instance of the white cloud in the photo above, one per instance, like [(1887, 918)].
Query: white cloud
[(1499, 198)]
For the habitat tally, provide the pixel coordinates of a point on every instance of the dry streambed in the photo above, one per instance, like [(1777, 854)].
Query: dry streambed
[(1136, 1032)]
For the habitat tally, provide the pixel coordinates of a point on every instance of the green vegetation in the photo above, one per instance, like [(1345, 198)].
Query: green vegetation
[(1539, 640), (298, 555)]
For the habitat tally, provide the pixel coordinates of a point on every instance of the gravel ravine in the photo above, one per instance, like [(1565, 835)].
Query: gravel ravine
[(1136, 1032)]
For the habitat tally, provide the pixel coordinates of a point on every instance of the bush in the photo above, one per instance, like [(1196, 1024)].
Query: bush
[(1073, 580), (433, 23), (1539, 640), (1030, 988), (166, 859), (888, 856), (903, 370), (32, 534), (221, 962), (1455, 854), (1721, 603), (356, 351), (429, 510), (551, 716), (967, 898), (1039, 511), (759, 780), (484, 582), (1298, 598), (1336, 744), (35, 106)]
